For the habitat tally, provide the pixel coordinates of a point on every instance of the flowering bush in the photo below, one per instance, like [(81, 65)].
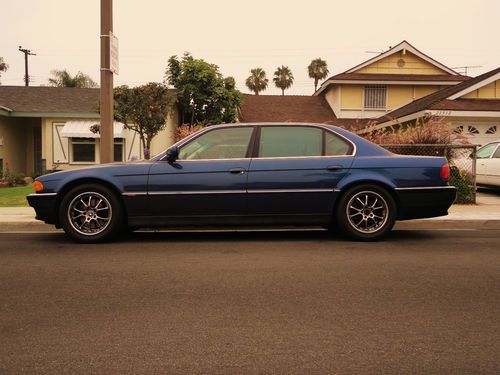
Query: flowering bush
[(184, 130)]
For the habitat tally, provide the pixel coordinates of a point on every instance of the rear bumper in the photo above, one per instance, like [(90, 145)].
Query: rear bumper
[(45, 206), (424, 202)]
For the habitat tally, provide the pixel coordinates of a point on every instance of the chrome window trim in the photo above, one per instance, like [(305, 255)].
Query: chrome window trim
[(325, 128)]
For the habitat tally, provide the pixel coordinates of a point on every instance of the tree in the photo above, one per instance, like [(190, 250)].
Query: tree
[(62, 78), (283, 78), (3, 66), (257, 81), (203, 95), (143, 109), (317, 69)]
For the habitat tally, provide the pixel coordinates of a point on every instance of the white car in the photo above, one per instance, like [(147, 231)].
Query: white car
[(488, 165)]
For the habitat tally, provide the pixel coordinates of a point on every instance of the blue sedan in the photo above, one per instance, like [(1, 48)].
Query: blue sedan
[(247, 175)]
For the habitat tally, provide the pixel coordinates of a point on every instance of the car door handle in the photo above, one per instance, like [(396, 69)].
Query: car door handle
[(334, 168), (237, 170)]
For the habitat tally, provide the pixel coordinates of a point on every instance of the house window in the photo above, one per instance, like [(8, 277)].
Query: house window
[(492, 130), (83, 150), (118, 149), (375, 96)]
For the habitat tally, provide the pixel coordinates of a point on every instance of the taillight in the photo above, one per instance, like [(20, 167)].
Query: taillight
[(445, 171), (38, 186)]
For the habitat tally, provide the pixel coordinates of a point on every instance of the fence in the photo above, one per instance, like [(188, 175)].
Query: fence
[(462, 160)]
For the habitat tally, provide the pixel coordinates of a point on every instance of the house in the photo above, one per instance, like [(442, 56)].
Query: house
[(472, 108), (48, 128), (396, 86)]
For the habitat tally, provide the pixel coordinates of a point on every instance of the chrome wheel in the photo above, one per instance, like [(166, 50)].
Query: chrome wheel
[(367, 212), (89, 213)]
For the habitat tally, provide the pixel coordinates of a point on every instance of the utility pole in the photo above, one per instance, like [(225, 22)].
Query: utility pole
[(106, 91), (27, 53)]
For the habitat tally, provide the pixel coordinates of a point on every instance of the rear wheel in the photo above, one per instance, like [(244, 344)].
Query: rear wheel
[(366, 212), (91, 213)]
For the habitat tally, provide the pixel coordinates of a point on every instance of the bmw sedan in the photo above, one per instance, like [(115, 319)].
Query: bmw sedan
[(250, 175)]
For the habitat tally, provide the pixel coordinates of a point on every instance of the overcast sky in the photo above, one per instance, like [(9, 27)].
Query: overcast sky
[(240, 35)]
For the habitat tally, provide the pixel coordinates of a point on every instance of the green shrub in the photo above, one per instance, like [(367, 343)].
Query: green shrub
[(13, 178), (464, 184)]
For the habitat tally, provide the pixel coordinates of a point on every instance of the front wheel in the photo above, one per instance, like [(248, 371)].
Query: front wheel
[(366, 212), (91, 213)]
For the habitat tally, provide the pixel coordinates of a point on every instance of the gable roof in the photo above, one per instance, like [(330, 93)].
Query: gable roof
[(288, 108), (34, 99), (449, 76), (404, 45), (443, 96)]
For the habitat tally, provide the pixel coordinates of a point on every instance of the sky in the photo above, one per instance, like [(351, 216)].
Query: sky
[(241, 35)]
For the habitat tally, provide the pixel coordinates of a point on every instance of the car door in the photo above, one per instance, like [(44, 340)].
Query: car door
[(493, 168), (483, 162), (295, 170), (208, 179)]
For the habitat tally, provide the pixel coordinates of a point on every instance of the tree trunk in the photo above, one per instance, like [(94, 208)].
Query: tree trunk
[(256, 92), (315, 84), (148, 147), (143, 143), (282, 92)]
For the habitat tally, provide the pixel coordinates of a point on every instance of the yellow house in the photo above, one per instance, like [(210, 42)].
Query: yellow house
[(48, 128), (386, 82), (472, 108)]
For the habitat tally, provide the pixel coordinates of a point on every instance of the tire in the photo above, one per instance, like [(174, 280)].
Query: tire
[(91, 213), (366, 212)]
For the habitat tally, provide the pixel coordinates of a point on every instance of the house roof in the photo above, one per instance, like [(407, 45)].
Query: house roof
[(397, 77), (442, 96), (449, 75), (467, 105), (404, 45), (34, 99), (288, 108)]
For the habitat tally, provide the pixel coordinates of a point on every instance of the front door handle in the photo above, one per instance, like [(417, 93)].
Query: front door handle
[(237, 170), (334, 168)]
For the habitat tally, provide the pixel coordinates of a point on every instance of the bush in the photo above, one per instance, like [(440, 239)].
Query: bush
[(464, 184), (184, 130), (13, 178)]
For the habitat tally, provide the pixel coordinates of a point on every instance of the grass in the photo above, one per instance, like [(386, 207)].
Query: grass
[(15, 196)]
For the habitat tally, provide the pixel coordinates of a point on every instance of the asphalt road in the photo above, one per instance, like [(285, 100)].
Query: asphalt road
[(298, 302)]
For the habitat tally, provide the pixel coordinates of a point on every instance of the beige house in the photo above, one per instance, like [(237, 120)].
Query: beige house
[(48, 128)]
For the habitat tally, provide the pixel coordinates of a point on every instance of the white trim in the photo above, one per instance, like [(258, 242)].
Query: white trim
[(390, 82), (449, 113), (478, 85), (404, 45)]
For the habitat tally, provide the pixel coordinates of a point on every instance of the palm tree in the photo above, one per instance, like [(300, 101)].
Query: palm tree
[(257, 81), (283, 78), (318, 69), (3, 66), (61, 78)]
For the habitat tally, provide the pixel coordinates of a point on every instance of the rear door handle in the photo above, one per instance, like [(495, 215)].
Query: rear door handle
[(237, 170), (334, 168)]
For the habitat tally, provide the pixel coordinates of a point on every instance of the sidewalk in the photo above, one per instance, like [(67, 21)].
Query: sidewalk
[(485, 213)]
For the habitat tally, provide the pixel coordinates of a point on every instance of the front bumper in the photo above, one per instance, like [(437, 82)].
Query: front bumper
[(45, 206), (424, 202)]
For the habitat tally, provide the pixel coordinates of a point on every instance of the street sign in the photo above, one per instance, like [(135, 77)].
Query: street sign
[(113, 53)]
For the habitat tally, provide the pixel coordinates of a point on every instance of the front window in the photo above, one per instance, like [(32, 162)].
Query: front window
[(288, 141), (229, 143), (375, 96), (83, 150), (486, 151)]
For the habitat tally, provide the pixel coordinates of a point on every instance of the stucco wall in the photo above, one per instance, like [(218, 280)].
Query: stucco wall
[(412, 65), (490, 91), (17, 143)]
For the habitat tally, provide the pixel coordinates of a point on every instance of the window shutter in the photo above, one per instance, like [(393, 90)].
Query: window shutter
[(60, 145)]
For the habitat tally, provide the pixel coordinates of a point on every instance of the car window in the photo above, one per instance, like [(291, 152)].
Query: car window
[(229, 143), (334, 145), (290, 141), (496, 155), (485, 151)]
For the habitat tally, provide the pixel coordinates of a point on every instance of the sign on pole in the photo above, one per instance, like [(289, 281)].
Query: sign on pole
[(113, 53)]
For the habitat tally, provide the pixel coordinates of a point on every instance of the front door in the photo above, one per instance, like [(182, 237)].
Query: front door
[(208, 180)]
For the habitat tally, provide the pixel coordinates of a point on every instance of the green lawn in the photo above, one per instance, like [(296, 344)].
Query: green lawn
[(15, 196)]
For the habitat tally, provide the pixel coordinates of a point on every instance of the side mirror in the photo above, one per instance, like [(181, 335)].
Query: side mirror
[(172, 154)]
